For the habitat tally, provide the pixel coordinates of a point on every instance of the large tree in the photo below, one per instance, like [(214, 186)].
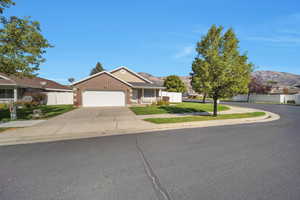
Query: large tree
[(71, 80), (5, 4), (226, 69), (174, 84), (98, 68), (200, 79), (21, 44)]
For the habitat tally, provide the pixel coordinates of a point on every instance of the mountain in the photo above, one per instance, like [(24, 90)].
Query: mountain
[(160, 80), (283, 79)]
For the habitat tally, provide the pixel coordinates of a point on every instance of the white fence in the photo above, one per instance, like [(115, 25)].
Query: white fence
[(59, 98), (175, 97), (278, 98)]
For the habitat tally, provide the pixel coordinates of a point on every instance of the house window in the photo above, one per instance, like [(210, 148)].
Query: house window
[(6, 93), (149, 93), (134, 94)]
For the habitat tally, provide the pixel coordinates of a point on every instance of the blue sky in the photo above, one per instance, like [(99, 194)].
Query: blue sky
[(159, 37)]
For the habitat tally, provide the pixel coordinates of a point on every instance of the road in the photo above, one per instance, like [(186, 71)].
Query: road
[(249, 162)]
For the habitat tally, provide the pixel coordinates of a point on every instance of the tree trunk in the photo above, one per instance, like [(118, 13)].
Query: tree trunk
[(204, 98), (215, 107)]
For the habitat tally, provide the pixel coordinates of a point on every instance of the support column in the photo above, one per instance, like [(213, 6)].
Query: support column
[(142, 95), (15, 94)]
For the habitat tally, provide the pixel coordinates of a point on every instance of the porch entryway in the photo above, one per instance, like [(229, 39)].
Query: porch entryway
[(145, 95)]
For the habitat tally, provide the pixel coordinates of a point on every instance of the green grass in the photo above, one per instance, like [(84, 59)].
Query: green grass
[(211, 99), (185, 107), (25, 113), (202, 118)]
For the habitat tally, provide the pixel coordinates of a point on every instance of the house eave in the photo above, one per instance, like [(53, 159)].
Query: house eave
[(97, 74), (124, 67), (60, 90), (8, 84), (145, 87)]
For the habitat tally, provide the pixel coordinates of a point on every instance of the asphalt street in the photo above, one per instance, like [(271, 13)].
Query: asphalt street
[(239, 162)]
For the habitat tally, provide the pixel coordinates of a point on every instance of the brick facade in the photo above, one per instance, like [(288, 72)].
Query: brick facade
[(102, 82)]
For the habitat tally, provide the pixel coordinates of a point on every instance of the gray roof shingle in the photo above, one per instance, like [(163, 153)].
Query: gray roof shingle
[(146, 85)]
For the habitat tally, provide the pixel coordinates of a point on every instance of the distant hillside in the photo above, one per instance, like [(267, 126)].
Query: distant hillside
[(283, 79), (160, 80)]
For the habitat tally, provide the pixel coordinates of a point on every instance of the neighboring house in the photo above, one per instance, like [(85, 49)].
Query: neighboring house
[(285, 90), (119, 87), (13, 89)]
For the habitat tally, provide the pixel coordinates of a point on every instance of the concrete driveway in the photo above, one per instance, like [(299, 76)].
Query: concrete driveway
[(98, 120)]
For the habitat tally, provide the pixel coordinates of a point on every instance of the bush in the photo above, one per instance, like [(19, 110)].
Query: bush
[(3, 106), (39, 98), (193, 96), (162, 103), (291, 102), (166, 98), (26, 104)]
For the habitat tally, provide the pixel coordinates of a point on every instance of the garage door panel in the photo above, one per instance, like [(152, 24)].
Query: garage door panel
[(103, 98)]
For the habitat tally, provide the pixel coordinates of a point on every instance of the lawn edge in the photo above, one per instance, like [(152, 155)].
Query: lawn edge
[(137, 114), (212, 119)]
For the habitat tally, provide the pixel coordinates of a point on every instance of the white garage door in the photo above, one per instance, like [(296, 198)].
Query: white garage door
[(103, 98)]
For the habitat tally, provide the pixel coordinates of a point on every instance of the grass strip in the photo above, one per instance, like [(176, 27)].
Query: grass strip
[(203, 118), (185, 107)]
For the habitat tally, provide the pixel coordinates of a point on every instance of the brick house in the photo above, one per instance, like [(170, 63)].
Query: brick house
[(119, 87), (13, 88)]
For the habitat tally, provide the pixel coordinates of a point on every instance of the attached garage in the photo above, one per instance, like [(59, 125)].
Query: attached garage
[(102, 89), (103, 98)]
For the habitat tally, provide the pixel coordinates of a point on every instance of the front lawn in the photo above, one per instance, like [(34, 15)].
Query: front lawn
[(202, 118), (26, 113), (185, 107)]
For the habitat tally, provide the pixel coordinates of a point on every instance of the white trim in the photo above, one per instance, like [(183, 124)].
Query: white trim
[(63, 90), (99, 73), (4, 77), (15, 94), (123, 67), (8, 84), (149, 87)]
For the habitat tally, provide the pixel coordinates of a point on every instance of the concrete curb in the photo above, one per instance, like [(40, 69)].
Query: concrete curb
[(162, 127), (21, 123)]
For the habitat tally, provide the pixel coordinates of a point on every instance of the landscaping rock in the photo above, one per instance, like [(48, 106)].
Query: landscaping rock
[(37, 114)]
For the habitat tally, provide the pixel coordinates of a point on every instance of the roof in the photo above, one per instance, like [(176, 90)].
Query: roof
[(136, 74), (32, 82), (149, 84), (99, 73), (6, 82), (146, 85)]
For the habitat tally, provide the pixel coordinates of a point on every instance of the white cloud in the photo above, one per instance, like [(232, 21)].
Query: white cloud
[(277, 39), (282, 30), (185, 52)]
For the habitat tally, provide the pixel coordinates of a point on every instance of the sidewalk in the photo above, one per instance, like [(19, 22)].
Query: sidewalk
[(20, 123)]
